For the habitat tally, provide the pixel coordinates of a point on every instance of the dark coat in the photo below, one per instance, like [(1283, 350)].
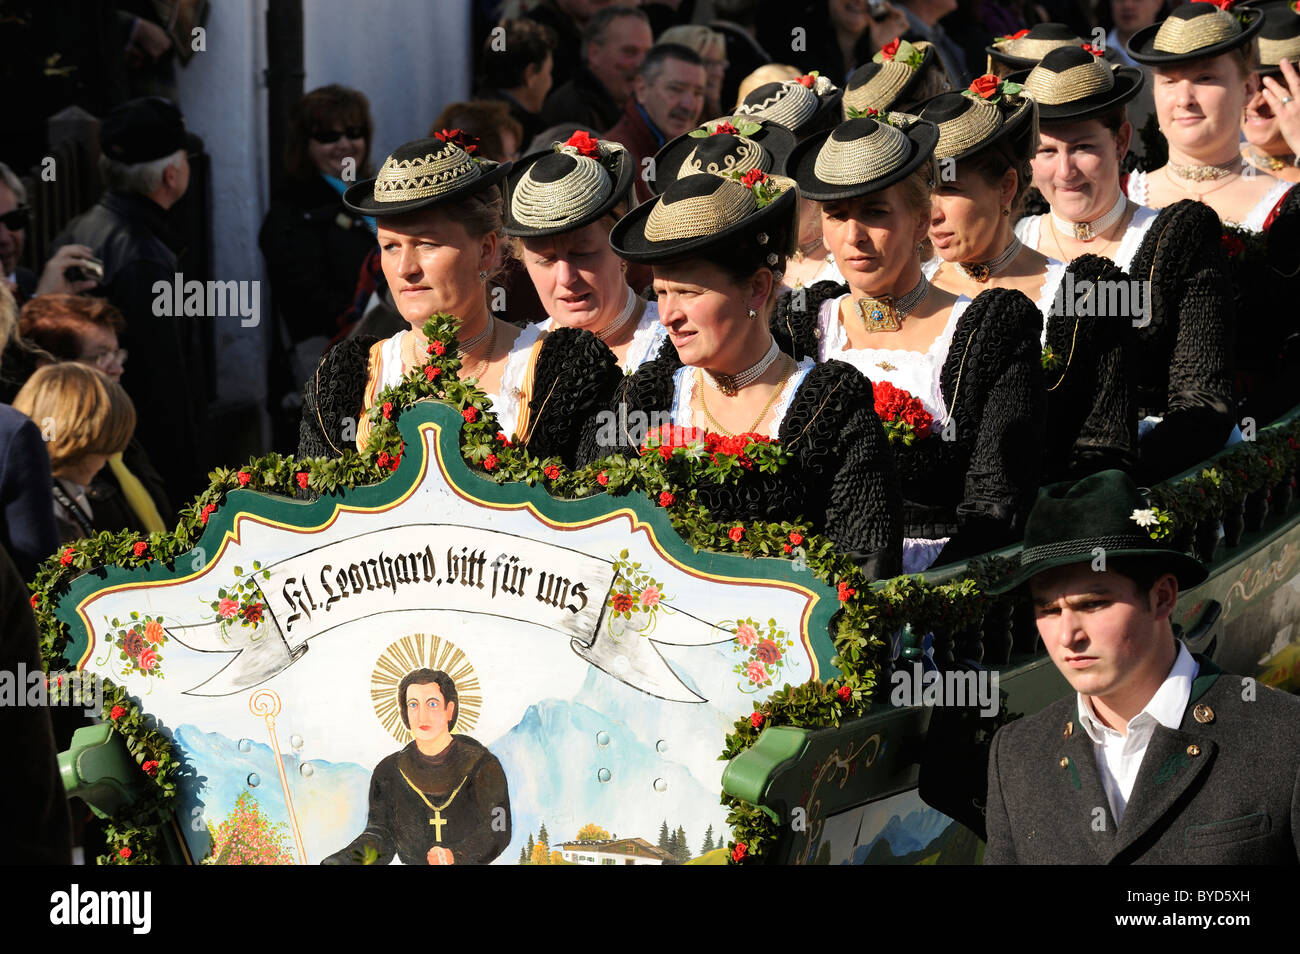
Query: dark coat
[(111, 509), (567, 53), (642, 140), (582, 100), (841, 477), (1223, 791), (978, 487), (314, 248), (27, 529), (164, 377)]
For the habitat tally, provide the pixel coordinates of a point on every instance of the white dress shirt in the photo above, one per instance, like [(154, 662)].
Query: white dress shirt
[(1119, 757)]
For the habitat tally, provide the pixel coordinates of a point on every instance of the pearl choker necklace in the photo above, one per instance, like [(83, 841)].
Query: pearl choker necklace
[(1199, 173), (982, 272), (624, 316), (1087, 231), (730, 384), (465, 347)]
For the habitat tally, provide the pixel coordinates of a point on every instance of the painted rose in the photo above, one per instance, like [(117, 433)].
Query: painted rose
[(153, 632), (725, 128), (227, 609), (253, 612), (133, 643), (756, 672), (746, 635), (650, 596), (768, 652), (752, 178), (624, 602), (148, 659)]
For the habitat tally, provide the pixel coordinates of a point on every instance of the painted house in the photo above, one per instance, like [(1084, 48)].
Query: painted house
[(614, 851)]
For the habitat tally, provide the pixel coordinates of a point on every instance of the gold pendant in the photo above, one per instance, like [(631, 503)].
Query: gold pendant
[(979, 273), (1083, 231), (878, 314), (886, 366), (725, 384)]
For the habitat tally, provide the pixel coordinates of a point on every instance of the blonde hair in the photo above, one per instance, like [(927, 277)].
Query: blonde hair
[(80, 410), (8, 316), (767, 73)]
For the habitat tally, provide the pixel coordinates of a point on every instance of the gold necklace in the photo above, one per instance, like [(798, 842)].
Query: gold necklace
[(1104, 246), (787, 369), (1228, 180)]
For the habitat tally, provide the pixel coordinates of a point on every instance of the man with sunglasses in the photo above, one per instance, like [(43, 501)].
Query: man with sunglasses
[(15, 216)]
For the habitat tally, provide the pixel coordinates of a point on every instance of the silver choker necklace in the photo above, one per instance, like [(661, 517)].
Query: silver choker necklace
[(624, 316), (730, 384), (465, 347), (983, 272), (1087, 231)]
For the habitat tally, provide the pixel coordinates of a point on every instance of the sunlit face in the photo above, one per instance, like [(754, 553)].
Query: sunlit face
[(427, 712), (705, 312), (11, 241), (1260, 126), (100, 349), (675, 98), (578, 277), (617, 57), (1077, 167), (1100, 633), (1199, 104), (965, 215), (432, 264), (873, 237)]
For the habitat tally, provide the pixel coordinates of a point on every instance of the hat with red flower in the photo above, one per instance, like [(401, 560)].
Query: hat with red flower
[(801, 107), (1072, 84), (728, 144), (1023, 49), (1195, 31), (978, 117), (861, 156), (895, 80), (424, 173), (568, 186), (1279, 38)]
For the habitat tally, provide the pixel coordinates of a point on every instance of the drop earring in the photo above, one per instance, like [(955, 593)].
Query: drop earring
[(482, 275), (752, 314)]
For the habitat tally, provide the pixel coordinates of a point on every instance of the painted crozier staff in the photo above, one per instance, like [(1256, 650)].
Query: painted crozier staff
[(716, 244), (1177, 305), (562, 204), (972, 368), (1158, 756), (1266, 146), (438, 212)]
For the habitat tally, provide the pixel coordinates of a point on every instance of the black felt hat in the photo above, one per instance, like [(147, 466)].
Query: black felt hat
[(566, 187), (1024, 49), (860, 156), (424, 173), (894, 77), (701, 213), (1193, 31), (1279, 38), (969, 122), (707, 149), (801, 105), (145, 129), (1071, 522), (1072, 84)]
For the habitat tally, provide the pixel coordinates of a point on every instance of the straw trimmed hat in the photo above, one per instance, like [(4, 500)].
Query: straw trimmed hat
[(1193, 31), (566, 187), (705, 212), (723, 151), (1072, 84), (423, 173), (1279, 38), (972, 123), (861, 156), (798, 104), (1024, 49), (890, 79), (1071, 521)]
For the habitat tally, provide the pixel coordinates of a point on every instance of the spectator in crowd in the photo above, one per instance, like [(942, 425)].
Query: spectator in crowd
[(615, 43), (27, 529), (1130, 16), (128, 493), (89, 419), (146, 170), (713, 51), (667, 100), (568, 21), (313, 246), (14, 217), (516, 68), (734, 20), (499, 135), (838, 35), (768, 73), (923, 18)]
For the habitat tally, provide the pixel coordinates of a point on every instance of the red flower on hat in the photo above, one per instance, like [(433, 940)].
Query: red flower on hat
[(470, 414), (985, 86), (431, 372), (584, 143), (140, 548), (806, 80), (552, 472), (736, 533), (388, 410), (725, 128), (796, 537), (602, 478), (36, 597), (752, 178), (1222, 4), (738, 853), (438, 348), (1093, 50), (125, 852), (67, 556), (116, 713), (846, 592), (383, 459), (889, 49), (150, 767), (459, 138), (1014, 36)]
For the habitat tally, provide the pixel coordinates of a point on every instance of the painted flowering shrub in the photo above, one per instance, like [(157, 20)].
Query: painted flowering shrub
[(762, 651), (248, 837), (636, 600), (138, 643), (242, 603)]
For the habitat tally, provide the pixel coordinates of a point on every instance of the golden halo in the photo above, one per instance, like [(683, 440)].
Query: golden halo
[(419, 651)]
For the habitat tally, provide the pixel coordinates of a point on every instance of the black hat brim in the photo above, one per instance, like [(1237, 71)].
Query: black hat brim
[(629, 241), (622, 189), (776, 140), (801, 165), (1141, 45), (360, 198), (1128, 83), (1188, 570)]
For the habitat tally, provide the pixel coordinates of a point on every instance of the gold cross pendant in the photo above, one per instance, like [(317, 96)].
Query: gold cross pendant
[(878, 314), (437, 821)]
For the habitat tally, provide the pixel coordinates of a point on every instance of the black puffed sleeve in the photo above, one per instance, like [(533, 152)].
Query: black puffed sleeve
[(575, 377), (637, 399), (334, 393), (794, 317)]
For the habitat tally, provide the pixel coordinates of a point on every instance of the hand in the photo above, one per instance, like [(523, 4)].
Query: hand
[(441, 856), (52, 279), (894, 24), (1285, 104), (148, 42)]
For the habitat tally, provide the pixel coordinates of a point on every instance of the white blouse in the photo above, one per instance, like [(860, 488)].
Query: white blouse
[(1046, 295), (684, 394), (1254, 221), (646, 340), (1030, 231)]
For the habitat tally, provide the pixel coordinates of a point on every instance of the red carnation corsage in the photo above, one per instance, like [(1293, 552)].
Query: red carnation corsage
[(458, 138)]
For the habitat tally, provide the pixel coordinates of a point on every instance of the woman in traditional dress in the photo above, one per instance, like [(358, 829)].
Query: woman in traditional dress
[(974, 367), (716, 244), (1178, 310), (438, 212), (562, 204), (1266, 146)]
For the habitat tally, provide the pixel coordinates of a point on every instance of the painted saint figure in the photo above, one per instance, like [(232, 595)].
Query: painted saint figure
[(441, 800)]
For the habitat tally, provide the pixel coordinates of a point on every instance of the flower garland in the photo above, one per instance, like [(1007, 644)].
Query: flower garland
[(869, 617)]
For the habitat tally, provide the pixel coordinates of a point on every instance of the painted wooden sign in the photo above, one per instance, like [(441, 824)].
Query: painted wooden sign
[(437, 669)]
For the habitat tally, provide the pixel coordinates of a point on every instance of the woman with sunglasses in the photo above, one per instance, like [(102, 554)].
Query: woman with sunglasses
[(716, 245), (438, 211), (969, 372), (562, 204)]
